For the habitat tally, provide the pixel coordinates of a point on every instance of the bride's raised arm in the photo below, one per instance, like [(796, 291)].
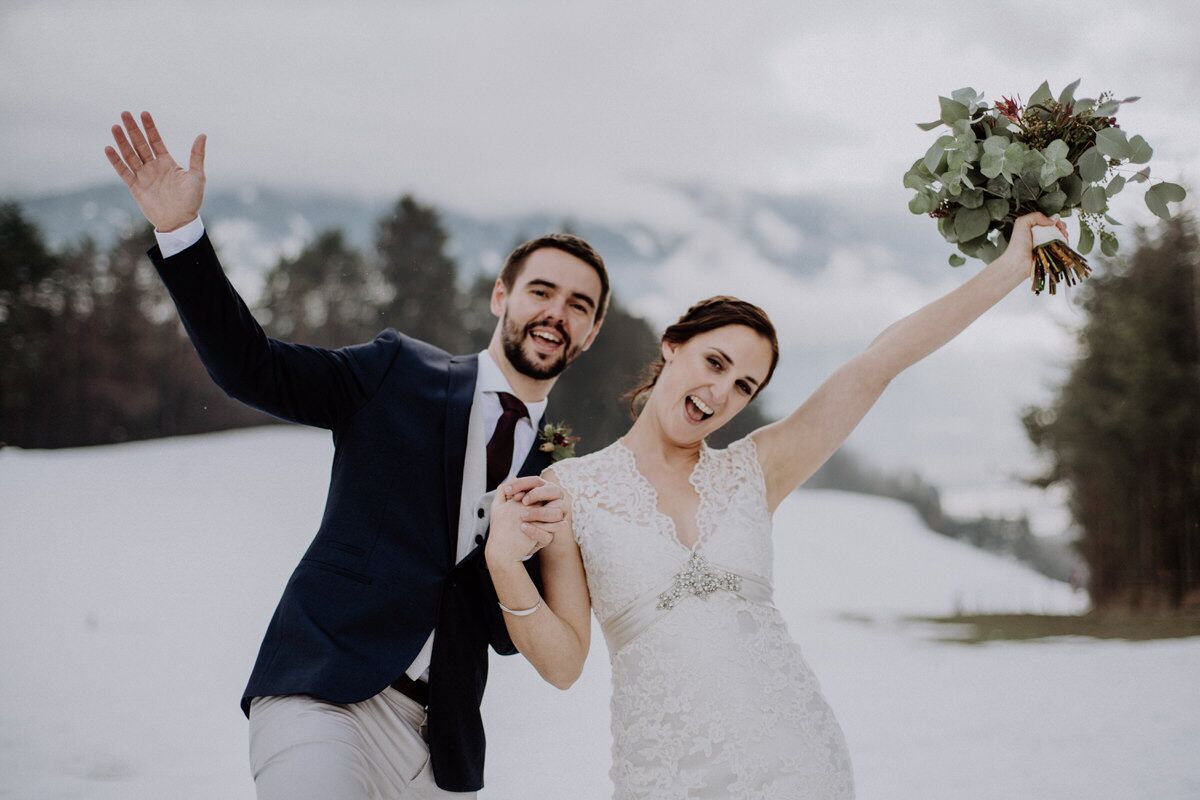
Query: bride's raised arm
[(792, 449)]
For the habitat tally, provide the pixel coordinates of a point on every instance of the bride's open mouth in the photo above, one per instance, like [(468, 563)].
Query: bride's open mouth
[(696, 409)]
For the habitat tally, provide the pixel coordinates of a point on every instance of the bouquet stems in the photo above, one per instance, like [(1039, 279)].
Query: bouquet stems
[(1055, 262)]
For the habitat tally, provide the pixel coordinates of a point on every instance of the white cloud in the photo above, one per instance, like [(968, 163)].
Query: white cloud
[(568, 107)]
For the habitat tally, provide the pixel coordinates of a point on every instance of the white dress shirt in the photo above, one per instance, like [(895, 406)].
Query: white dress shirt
[(485, 414)]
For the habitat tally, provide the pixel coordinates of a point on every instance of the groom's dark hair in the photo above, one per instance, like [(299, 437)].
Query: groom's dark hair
[(568, 243)]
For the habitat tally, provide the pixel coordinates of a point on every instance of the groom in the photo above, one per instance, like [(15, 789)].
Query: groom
[(370, 676)]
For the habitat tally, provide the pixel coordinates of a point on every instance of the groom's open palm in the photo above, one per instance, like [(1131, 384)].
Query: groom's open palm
[(168, 195)]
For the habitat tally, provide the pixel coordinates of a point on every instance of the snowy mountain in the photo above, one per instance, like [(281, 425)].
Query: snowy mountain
[(254, 225), (831, 278), (137, 580)]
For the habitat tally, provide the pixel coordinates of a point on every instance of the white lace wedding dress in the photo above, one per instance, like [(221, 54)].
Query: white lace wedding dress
[(711, 697)]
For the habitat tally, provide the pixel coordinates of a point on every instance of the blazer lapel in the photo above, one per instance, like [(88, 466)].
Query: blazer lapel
[(536, 461), (460, 389)]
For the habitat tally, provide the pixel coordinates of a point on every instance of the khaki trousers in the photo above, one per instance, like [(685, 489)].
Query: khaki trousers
[(302, 748)]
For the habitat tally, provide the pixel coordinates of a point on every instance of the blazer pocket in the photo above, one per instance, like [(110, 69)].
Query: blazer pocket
[(336, 569)]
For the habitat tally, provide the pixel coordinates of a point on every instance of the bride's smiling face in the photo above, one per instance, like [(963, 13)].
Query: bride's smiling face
[(707, 380)]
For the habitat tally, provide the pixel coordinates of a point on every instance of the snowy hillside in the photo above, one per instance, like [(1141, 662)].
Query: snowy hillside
[(136, 581)]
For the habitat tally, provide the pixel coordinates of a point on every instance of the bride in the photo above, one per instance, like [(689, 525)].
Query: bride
[(670, 546)]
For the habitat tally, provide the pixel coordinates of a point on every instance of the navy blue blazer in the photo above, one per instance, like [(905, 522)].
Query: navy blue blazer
[(381, 571)]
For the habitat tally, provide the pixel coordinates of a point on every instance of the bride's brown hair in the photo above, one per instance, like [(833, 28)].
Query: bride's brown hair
[(715, 312)]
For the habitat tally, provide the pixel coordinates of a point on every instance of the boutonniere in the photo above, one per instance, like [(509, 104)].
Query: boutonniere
[(557, 441)]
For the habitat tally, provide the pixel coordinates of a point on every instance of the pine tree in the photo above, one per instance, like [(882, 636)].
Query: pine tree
[(30, 304), (324, 296), (421, 276), (1124, 432)]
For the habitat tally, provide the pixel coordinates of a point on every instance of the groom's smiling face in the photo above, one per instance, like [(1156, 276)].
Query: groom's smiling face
[(548, 317)]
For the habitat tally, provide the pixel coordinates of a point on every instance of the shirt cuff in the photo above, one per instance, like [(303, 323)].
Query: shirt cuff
[(180, 239)]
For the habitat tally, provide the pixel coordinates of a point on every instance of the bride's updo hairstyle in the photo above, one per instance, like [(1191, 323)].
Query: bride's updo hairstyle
[(715, 312)]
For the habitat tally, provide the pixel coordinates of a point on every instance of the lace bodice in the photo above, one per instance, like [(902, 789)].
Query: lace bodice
[(711, 697), (630, 548)]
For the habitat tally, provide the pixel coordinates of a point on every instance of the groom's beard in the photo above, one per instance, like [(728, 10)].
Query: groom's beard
[(513, 339)]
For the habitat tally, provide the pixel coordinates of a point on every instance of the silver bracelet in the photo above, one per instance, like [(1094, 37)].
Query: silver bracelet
[(522, 612)]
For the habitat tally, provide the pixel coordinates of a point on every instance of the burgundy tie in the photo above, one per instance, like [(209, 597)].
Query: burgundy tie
[(500, 448)]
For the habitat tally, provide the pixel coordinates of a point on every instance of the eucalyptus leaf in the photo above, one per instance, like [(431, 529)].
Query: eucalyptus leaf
[(1048, 175), (1086, 240), (920, 204), (1092, 165), (956, 260), (1001, 156), (913, 180), (1156, 203), (1026, 186), (1112, 143), (1141, 176), (971, 223), (1040, 95), (928, 126), (934, 155), (996, 144), (972, 246), (962, 131), (1067, 95), (952, 110), (966, 179), (1094, 200), (1052, 202), (1111, 221), (1171, 192), (967, 97), (989, 252), (1000, 186), (1056, 165), (997, 208), (971, 199), (1142, 151), (1073, 186), (1056, 150), (1031, 163), (946, 229), (1158, 195), (1084, 104), (1107, 108), (1109, 244), (1115, 185)]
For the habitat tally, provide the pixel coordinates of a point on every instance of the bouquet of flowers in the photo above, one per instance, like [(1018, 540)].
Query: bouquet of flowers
[(1054, 155)]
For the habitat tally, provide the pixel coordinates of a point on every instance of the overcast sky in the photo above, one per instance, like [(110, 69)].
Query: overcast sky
[(584, 107), (590, 109)]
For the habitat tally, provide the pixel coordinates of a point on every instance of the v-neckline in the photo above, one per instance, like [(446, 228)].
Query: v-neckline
[(672, 527)]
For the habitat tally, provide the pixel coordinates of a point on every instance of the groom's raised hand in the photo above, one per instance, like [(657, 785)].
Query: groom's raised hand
[(167, 194)]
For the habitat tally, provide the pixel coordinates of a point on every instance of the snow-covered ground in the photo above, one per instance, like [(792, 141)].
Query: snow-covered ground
[(136, 580)]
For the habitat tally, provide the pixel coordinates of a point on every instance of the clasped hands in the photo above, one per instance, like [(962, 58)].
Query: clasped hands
[(527, 513)]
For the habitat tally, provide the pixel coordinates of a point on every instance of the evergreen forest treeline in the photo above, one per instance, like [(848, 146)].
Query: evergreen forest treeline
[(92, 352), (1123, 433)]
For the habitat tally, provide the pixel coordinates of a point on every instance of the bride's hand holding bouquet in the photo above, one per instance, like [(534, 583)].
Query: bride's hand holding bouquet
[(1057, 156)]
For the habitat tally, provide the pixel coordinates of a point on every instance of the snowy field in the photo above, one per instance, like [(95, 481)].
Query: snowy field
[(136, 581)]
